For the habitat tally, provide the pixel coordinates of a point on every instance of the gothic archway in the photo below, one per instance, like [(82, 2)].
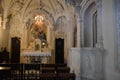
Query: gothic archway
[(89, 12)]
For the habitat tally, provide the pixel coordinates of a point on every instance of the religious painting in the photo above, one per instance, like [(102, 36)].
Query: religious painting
[(38, 30)]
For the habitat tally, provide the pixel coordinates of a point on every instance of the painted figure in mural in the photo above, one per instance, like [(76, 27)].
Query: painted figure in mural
[(42, 36), (38, 31)]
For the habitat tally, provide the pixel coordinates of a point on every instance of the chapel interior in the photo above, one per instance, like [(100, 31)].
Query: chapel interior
[(59, 40)]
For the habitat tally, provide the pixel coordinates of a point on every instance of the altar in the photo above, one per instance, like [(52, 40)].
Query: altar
[(36, 57)]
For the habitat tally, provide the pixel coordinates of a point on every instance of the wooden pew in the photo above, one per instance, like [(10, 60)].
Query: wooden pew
[(16, 71), (31, 72), (63, 70), (48, 70), (66, 76), (5, 72), (54, 65), (49, 76), (37, 72)]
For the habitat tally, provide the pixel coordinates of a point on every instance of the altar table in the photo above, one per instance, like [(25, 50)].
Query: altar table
[(36, 57)]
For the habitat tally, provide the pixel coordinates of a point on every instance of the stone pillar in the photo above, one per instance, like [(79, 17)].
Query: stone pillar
[(4, 23), (99, 24), (117, 30), (25, 38), (74, 62), (77, 8)]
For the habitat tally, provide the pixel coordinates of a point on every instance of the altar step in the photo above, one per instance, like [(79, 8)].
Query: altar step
[(35, 72)]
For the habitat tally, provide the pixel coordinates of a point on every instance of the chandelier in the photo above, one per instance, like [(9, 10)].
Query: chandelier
[(39, 19)]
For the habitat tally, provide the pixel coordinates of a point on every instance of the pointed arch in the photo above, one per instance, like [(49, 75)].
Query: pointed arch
[(87, 24)]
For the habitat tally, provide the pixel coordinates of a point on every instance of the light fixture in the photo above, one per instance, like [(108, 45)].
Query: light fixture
[(43, 44), (39, 19)]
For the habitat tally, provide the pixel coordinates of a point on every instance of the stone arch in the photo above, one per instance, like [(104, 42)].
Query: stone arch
[(48, 16), (60, 27), (86, 14), (60, 22)]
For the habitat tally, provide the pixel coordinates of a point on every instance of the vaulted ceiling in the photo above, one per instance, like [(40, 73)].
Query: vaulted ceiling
[(32, 7), (28, 9)]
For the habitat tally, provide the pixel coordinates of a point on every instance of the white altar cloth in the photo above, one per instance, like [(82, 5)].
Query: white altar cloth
[(36, 53), (36, 56)]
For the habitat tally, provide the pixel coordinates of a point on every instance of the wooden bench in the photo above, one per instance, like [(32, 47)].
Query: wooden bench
[(54, 65), (16, 71), (63, 70), (66, 76), (36, 72), (31, 72), (48, 70), (49, 76), (5, 72)]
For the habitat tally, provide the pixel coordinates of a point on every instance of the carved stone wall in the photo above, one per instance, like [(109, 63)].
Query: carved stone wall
[(74, 61), (60, 27), (85, 6), (87, 63), (92, 63), (85, 22)]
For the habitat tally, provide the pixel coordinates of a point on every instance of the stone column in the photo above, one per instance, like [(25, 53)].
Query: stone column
[(99, 24), (4, 24), (77, 8), (25, 38), (117, 30)]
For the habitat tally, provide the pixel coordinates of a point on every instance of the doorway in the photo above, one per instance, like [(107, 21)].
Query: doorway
[(59, 50), (15, 50)]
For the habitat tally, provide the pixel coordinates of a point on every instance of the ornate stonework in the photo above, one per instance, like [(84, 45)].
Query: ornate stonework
[(87, 63), (60, 27), (99, 24)]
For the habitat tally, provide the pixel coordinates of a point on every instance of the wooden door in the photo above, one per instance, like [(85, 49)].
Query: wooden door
[(59, 50), (15, 50)]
